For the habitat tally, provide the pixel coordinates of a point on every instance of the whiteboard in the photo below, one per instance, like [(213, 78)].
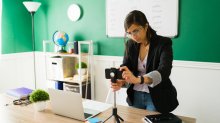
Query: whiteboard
[(162, 15)]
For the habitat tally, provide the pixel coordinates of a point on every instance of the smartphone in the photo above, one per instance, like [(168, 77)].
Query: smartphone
[(115, 71)]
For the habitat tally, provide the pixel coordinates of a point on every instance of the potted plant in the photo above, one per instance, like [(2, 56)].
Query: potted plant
[(39, 98), (83, 68)]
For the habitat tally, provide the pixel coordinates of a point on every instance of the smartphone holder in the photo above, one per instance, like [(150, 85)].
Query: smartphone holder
[(113, 78)]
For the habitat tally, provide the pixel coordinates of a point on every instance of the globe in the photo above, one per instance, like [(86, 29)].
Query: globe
[(60, 38)]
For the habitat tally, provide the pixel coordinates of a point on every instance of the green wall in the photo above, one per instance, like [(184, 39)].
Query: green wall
[(91, 25), (198, 31), (198, 38), (16, 27)]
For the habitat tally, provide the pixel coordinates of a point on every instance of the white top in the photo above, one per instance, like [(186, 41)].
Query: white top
[(154, 75)]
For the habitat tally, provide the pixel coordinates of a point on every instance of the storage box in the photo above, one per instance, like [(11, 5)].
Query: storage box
[(59, 85), (59, 68), (74, 87)]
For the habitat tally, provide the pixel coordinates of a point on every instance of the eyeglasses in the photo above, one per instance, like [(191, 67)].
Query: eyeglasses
[(134, 32), (22, 102)]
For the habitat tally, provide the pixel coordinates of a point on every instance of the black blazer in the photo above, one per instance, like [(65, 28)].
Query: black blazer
[(160, 58)]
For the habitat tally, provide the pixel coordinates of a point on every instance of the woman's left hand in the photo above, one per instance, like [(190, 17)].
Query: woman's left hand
[(129, 76)]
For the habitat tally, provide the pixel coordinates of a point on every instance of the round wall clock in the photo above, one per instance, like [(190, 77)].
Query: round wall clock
[(74, 12)]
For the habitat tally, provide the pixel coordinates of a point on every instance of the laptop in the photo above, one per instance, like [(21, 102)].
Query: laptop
[(69, 104)]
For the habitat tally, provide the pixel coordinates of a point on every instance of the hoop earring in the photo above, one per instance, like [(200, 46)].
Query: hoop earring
[(146, 26)]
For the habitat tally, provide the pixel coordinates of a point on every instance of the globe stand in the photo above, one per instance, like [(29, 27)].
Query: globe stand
[(62, 50), (114, 110)]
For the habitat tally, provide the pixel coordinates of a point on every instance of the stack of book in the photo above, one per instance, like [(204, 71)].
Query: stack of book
[(19, 93)]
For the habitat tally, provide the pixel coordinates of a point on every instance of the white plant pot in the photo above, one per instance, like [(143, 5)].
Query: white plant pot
[(83, 71), (40, 106)]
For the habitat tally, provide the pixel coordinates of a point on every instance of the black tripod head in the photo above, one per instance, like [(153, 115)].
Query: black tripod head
[(113, 74)]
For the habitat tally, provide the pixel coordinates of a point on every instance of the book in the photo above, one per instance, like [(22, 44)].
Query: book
[(19, 93), (162, 118), (94, 120)]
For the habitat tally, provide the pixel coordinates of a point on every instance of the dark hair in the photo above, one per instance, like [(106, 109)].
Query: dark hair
[(139, 18)]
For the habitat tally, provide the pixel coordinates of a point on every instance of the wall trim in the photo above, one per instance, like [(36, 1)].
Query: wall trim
[(195, 64), (176, 63), (108, 58), (16, 55)]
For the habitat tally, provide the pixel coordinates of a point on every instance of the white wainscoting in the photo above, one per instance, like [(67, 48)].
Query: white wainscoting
[(197, 83), (198, 90), (16, 70)]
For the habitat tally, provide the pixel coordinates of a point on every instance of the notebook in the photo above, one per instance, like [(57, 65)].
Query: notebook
[(69, 104), (19, 92)]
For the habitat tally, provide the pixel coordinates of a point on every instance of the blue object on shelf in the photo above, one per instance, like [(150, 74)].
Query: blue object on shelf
[(59, 85)]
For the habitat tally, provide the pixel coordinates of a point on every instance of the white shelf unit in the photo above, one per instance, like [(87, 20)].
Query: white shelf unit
[(88, 56)]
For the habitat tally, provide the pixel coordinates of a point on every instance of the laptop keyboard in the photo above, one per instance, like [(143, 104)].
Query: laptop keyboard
[(87, 115)]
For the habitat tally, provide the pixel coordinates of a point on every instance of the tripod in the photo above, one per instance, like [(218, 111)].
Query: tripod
[(114, 110)]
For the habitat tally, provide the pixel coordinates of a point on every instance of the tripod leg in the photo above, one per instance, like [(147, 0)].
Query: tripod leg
[(114, 112), (120, 118), (116, 118), (107, 119)]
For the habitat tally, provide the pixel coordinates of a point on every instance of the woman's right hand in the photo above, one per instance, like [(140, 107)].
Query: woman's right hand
[(117, 86)]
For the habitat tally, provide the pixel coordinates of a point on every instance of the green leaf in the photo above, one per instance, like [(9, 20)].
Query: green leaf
[(83, 65), (39, 95)]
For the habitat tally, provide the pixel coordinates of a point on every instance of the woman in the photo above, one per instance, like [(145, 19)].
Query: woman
[(147, 66)]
